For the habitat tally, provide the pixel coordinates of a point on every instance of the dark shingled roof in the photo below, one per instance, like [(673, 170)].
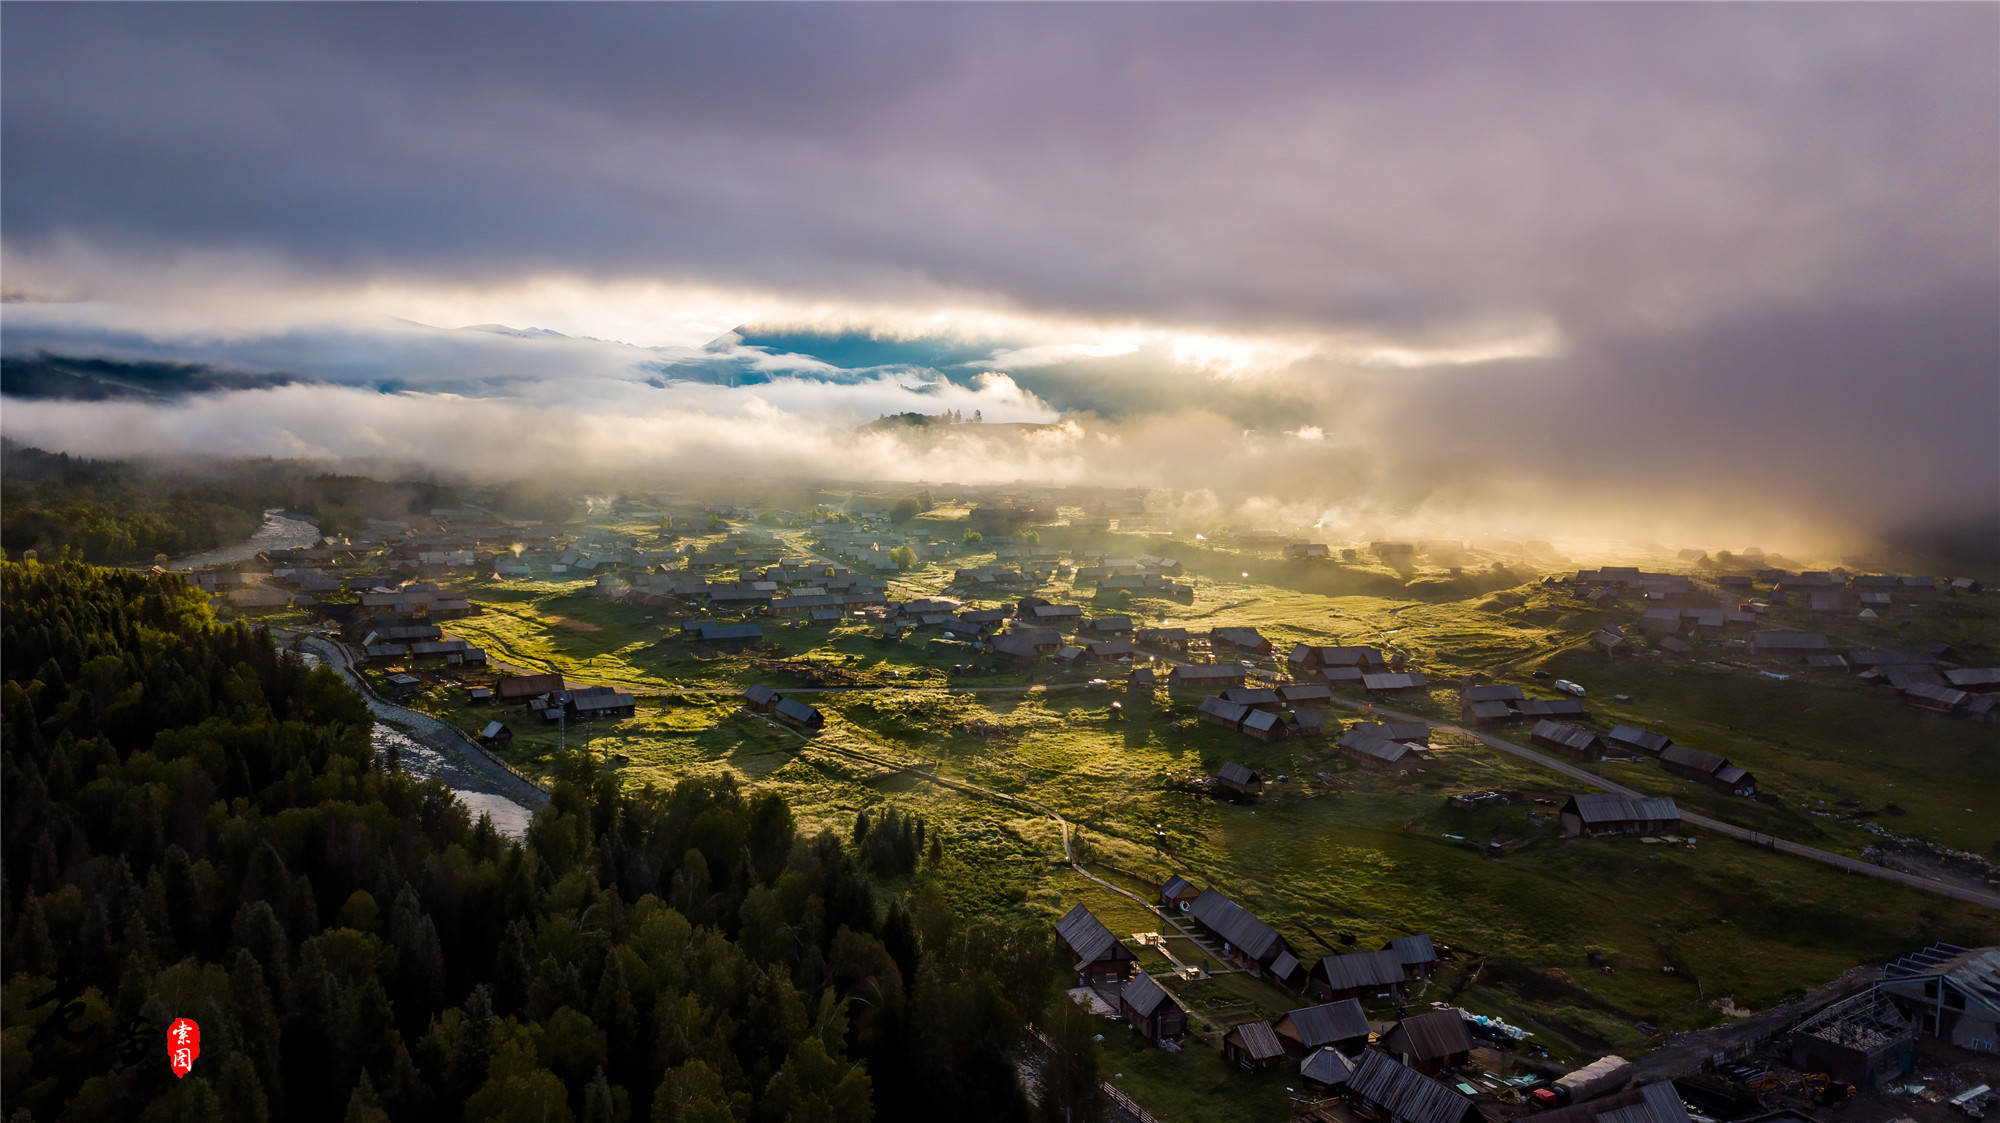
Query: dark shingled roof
[(1228, 712), (1259, 721), (1404, 1094), (1144, 994), (1234, 923), (1413, 950), (1610, 807), (1631, 738), (760, 695), (1358, 970), (1327, 1023), (1695, 759), (797, 711), (1175, 886), (1258, 1040), (1429, 1035), (1327, 1066), (1239, 637), (1238, 774), (1087, 938), (1568, 736)]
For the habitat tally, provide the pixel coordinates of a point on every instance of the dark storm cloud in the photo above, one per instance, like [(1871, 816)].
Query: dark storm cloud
[(1763, 236), (1287, 164)]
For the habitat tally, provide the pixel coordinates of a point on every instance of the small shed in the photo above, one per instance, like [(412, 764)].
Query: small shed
[(793, 712), (1239, 782), (1326, 1069), (1147, 1007), (1252, 1045)]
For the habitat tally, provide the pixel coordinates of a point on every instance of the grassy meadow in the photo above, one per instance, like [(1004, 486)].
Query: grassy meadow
[(1592, 945)]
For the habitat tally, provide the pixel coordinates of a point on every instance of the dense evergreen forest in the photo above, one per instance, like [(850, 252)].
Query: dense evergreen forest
[(195, 826), (122, 512)]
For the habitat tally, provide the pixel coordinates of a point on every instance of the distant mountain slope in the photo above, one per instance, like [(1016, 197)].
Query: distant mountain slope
[(65, 376)]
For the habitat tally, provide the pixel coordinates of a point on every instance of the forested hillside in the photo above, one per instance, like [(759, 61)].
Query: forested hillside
[(194, 826), (123, 511)]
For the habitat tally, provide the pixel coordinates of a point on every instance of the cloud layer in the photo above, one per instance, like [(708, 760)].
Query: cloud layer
[(1730, 260)]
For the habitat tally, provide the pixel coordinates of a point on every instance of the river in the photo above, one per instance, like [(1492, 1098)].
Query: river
[(425, 763), (480, 795), (280, 531)]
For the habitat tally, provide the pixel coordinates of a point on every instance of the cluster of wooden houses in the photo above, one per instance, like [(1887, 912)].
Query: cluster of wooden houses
[(762, 699), (547, 696), (1683, 760), (1405, 1073)]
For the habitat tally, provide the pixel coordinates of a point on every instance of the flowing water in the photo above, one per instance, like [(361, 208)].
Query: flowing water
[(423, 762), (279, 532)]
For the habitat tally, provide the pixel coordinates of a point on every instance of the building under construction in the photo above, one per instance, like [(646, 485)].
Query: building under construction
[(1863, 1041)]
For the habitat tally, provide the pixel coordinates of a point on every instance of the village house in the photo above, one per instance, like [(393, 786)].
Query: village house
[(1252, 1045), (1637, 740), (1417, 954), (1147, 1007), (1191, 676), (1109, 651), (1340, 1025), (495, 733), (1589, 815), (1707, 768), (609, 704), (1974, 680), (1430, 1042), (1356, 974), (1239, 782), (516, 688), (1312, 694), (1245, 939), (1015, 647), (1095, 954), (1107, 627), (1264, 725), (1244, 640), (759, 699), (1573, 741), (1219, 711), (1178, 893), (1393, 682), (1306, 658), (1388, 1090), (1175, 639), (1937, 699), (795, 713), (709, 631), (1324, 1071), (1253, 697)]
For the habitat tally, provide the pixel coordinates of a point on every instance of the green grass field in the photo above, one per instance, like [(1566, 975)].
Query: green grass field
[(1577, 941)]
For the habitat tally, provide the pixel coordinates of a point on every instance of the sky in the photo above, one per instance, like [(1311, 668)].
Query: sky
[(1718, 269)]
